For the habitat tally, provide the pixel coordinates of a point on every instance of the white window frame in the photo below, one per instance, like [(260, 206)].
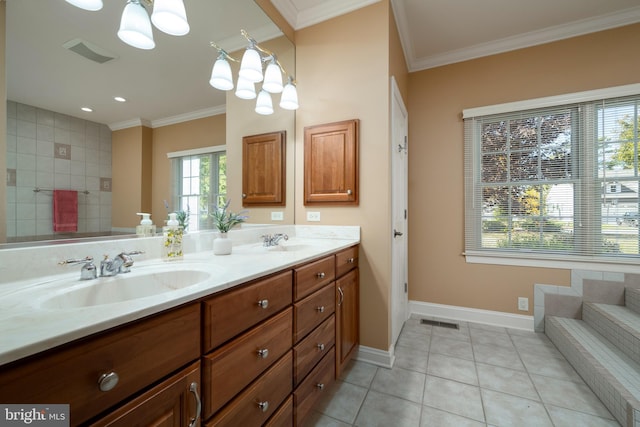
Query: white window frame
[(522, 258)]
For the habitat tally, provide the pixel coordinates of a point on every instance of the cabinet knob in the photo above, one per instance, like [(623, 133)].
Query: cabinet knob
[(320, 275), (349, 192), (320, 309), (263, 353), (244, 196), (263, 303), (108, 381), (263, 406), (320, 386), (321, 347), (350, 260)]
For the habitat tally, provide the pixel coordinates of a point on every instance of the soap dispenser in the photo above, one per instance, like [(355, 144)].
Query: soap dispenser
[(172, 238), (146, 227)]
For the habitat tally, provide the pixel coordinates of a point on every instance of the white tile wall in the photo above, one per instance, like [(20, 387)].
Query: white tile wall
[(31, 134)]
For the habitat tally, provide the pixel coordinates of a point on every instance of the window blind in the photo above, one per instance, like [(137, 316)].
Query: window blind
[(557, 182)]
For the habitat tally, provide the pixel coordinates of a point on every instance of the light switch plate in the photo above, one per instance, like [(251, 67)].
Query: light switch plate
[(277, 216), (313, 216)]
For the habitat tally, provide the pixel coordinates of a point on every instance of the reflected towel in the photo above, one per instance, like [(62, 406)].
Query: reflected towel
[(65, 210)]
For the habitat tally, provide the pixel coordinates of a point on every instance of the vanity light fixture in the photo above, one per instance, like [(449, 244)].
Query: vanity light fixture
[(169, 16), (251, 73)]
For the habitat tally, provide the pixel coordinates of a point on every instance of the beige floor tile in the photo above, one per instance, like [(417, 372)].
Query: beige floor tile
[(382, 410), (562, 417), (497, 356), (554, 367), (400, 383), (317, 419), (412, 359), (451, 347), (455, 397), (432, 417), (342, 402), (505, 410), (414, 340), (452, 368), (359, 373), (507, 381), (482, 336)]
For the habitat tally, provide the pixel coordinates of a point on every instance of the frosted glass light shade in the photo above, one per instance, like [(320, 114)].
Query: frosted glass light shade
[(91, 5), (135, 26), (289, 98), (245, 89), (170, 17), (221, 75), (272, 79), (264, 105), (251, 65)]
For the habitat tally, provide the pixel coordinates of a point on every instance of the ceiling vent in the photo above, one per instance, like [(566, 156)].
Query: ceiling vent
[(89, 51)]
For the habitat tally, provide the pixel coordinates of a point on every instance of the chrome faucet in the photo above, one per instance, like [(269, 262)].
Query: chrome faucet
[(121, 263), (88, 270), (273, 239)]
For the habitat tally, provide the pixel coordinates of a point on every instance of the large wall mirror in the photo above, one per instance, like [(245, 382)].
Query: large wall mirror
[(60, 58)]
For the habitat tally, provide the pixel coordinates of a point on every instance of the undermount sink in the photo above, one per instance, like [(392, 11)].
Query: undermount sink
[(121, 288)]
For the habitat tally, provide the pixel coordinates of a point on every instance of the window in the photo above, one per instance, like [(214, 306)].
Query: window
[(555, 181), (200, 184)]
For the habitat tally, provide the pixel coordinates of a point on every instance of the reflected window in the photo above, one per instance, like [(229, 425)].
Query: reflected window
[(200, 185)]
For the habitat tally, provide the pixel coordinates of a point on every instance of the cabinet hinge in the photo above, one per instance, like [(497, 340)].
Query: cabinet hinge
[(406, 287)]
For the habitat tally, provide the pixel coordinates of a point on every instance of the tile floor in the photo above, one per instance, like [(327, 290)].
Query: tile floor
[(476, 376)]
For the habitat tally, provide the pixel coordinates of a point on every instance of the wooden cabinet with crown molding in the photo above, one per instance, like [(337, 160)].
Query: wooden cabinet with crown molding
[(263, 169), (331, 163)]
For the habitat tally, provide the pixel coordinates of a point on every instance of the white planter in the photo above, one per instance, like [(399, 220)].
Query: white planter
[(222, 245)]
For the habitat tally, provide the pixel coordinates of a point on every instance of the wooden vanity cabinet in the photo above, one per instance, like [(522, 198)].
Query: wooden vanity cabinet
[(347, 307), (263, 169), (140, 354)]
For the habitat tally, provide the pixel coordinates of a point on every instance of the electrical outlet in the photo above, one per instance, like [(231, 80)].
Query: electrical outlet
[(313, 216), (277, 216), (523, 304)]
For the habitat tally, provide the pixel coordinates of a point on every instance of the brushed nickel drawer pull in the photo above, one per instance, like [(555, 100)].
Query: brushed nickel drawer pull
[(193, 388), (320, 309), (321, 347), (320, 275), (351, 260), (263, 406), (263, 303), (341, 300), (108, 381), (263, 353), (320, 386)]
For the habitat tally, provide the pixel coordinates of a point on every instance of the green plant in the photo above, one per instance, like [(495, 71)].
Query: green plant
[(183, 219), (225, 221)]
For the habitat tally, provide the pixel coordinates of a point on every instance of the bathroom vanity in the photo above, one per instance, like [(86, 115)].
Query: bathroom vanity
[(257, 349)]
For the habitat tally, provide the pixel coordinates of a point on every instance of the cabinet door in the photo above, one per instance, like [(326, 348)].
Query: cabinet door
[(348, 318), (174, 402), (263, 169), (331, 163)]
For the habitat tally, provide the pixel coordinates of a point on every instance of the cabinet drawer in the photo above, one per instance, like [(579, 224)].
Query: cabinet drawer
[(312, 311), (311, 349), (231, 313), (346, 260), (314, 387), (261, 399), (140, 354), (311, 277), (236, 364), (283, 416)]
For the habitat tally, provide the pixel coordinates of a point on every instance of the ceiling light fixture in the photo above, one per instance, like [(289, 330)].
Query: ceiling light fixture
[(87, 109), (251, 73), (169, 16), (119, 99)]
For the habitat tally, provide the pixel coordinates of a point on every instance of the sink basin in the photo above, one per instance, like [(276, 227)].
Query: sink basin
[(121, 288)]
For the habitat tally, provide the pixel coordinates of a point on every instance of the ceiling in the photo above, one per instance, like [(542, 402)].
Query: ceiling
[(440, 32), (170, 83)]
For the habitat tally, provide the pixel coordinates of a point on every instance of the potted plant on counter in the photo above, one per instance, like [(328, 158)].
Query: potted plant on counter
[(223, 221)]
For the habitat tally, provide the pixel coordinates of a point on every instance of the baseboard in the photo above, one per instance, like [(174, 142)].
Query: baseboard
[(487, 317), (376, 357)]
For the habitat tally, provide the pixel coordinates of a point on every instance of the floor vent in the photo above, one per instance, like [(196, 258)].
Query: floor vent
[(439, 323)]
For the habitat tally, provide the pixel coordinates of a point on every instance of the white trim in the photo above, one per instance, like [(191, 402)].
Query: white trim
[(475, 315), (196, 151), (323, 11), (552, 101), (591, 264), (194, 115), (129, 124), (376, 357)]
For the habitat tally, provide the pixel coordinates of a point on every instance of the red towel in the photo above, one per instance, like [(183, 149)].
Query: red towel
[(65, 210)]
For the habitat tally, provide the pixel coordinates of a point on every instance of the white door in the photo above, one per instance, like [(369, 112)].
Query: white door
[(399, 204)]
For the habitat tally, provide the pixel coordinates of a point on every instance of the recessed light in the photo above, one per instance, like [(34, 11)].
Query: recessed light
[(120, 99), (87, 109)]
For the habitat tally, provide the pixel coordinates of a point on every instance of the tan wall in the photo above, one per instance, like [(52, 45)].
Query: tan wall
[(127, 149), (3, 125), (198, 133), (276, 17), (397, 62), (343, 73), (437, 270)]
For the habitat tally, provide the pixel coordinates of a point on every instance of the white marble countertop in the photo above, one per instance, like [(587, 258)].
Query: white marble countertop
[(31, 321)]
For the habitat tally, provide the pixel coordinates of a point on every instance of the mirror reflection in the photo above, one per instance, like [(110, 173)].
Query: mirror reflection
[(60, 58)]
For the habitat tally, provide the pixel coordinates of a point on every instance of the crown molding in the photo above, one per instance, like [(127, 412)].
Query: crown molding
[(129, 124), (533, 38), (180, 118), (323, 11)]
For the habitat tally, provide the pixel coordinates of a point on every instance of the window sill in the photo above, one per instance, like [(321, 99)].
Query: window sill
[(630, 265)]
